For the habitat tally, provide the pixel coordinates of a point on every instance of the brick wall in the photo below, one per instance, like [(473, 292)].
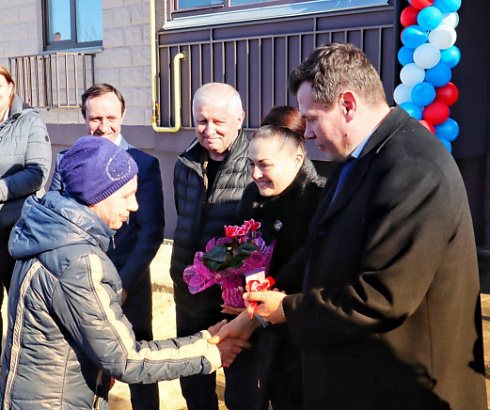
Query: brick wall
[(124, 60), (20, 30)]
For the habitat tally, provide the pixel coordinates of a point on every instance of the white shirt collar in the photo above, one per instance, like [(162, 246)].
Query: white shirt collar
[(118, 140), (121, 142), (360, 147)]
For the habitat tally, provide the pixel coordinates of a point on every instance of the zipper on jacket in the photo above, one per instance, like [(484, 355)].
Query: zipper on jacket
[(113, 242), (206, 182), (98, 391)]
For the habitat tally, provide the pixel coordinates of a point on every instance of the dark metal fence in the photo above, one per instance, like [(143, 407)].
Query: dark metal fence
[(257, 57), (52, 80)]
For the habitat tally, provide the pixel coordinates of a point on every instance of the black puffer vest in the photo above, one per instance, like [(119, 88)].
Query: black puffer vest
[(202, 213)]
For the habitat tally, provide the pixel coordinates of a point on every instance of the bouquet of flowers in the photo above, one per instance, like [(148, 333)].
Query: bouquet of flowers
[(226, 260)]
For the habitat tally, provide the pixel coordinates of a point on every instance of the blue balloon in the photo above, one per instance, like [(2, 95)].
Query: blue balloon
[(447, 6), (405, 55), (448, 130), (414, 36), (451, 56), (413, 109), (429, 18), (439, 75), (447, 144), (423, 94)]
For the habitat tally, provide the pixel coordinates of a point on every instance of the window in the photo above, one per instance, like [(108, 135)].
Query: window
[(186, 4), (72, 24), (202, 13)]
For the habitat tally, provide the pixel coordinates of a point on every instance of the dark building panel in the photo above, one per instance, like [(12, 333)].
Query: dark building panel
[(257, 57), (471, 76)]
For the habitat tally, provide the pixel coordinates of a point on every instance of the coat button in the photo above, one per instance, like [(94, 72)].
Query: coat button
[(278, 225)]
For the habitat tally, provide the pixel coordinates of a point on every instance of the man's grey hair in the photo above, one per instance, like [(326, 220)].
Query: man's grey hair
[(211, 92)]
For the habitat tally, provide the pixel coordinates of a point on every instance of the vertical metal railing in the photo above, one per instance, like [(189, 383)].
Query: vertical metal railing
[(53, 79), (275, 56)]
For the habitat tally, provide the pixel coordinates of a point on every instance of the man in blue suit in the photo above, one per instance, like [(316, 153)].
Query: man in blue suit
[(137, 242)]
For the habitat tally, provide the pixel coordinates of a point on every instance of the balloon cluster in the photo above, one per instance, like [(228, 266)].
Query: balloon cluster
[(428, 54)]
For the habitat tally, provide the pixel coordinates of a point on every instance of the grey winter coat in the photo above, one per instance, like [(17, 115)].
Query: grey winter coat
[(25, 160), (202, 213), (65, 320)]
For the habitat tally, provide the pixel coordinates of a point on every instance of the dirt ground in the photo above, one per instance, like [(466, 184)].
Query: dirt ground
[(164, 327)]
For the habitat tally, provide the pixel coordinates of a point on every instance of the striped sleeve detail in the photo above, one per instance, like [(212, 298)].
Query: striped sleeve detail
[(17, 334), (186, 351)]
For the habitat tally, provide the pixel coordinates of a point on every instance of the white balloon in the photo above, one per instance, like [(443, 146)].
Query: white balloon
[(443, 37), (412, 74), (426, 55), (450, 19), (402, 94)]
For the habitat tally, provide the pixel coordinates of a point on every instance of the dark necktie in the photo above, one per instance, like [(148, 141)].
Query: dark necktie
[(343, 174), (345, 169)]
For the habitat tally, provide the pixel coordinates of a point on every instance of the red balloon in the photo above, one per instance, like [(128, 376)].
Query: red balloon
[(408, 16), (421, 4), (436, 113), (428, 125), (447, 94)]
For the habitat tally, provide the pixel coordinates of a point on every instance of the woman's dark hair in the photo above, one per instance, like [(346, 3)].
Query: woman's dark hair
[(288, 139), (285, 116), (284, 123)]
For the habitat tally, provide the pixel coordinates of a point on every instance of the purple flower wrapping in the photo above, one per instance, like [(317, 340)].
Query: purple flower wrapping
[(199, 277)]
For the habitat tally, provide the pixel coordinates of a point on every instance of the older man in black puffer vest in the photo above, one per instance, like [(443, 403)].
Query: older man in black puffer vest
[(209, 180)]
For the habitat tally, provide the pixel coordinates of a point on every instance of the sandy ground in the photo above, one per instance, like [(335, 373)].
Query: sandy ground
[(164, 327)]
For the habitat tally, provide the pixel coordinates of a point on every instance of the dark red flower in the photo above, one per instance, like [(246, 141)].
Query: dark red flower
[(251, 225), (232, 231)]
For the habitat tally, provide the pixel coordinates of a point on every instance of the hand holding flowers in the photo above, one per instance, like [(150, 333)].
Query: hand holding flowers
[(269, 305), (226, 260)]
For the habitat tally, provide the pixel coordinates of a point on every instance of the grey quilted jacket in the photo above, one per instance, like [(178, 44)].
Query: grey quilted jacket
[(25, 160), (67, 333)]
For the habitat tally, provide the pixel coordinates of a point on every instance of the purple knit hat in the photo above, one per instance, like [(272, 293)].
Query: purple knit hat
[(94, 168)]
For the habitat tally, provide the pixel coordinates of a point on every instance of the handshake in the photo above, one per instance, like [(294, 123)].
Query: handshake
[(232, 337)]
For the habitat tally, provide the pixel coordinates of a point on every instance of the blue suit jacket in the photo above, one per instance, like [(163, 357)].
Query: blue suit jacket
[(137, 243)]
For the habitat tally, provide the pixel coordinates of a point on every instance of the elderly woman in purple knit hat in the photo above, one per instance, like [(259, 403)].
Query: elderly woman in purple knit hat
[(67, 334)]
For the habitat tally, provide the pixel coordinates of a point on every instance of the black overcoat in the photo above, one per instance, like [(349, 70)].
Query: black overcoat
[(390, 315)]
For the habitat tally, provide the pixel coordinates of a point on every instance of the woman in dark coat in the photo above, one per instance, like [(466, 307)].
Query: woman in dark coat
[(283, 198)]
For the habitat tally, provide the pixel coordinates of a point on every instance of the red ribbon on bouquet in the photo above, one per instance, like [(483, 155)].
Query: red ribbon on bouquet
[(258, 286)]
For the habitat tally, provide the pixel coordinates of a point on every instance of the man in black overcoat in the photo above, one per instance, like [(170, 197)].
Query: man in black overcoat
[(389, 317)]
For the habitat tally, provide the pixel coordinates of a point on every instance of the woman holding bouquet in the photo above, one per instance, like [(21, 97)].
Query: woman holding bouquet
[(283, 198)]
